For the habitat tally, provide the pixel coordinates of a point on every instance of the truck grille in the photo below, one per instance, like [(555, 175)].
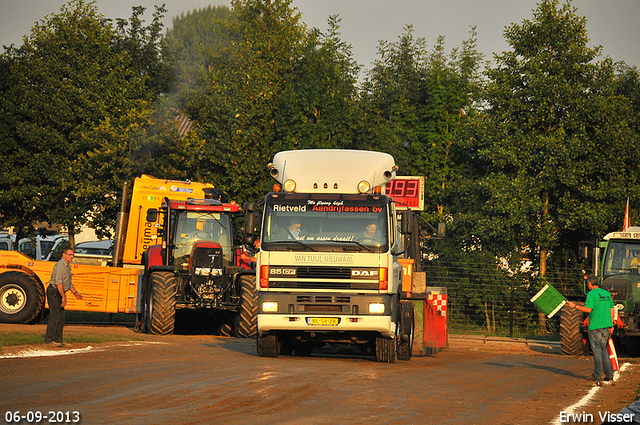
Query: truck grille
[(320, 277), (315, 272), (326, 299)]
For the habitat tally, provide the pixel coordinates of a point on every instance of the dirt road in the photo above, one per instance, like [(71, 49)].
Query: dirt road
[(207, 379)]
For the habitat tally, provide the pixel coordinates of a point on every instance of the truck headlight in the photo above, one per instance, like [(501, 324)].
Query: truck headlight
[(364, 186), (376, 308), (270, 306), (289, 185)]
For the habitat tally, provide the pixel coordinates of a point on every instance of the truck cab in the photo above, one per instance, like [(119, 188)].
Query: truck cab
[(328, 269), (44, 248), (6, 242)]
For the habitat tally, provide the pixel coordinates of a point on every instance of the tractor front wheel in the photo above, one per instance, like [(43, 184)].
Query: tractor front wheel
[(247, 320), (162, 303)]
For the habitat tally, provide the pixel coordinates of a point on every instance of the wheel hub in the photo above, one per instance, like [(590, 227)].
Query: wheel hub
[(12, 299)]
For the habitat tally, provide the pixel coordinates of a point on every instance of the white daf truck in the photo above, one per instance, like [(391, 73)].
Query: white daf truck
[(328, 269)]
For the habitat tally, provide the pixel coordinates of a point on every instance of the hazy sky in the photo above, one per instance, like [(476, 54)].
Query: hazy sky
[(612, 24)]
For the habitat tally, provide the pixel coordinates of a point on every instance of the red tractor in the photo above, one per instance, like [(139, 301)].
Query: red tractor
[(197, 266)]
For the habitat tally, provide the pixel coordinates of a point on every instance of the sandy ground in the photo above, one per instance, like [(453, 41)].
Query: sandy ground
[(199, 378)]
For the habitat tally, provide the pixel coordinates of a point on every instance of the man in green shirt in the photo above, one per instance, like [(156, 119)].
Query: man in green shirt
[(59, 285), (599, 306)]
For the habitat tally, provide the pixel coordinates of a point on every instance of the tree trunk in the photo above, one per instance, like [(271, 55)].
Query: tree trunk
[(71, 230), (486, 315)]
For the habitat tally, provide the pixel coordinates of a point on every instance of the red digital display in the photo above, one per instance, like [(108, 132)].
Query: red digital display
[(408, 192)]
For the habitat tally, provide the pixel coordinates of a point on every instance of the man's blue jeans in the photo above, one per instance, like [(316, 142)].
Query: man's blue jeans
[(599, 339)]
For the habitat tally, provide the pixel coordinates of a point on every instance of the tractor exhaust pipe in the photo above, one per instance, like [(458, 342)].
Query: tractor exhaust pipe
[(121, 230)]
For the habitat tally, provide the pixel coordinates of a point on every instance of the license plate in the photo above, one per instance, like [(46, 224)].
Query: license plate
[(323, 321)]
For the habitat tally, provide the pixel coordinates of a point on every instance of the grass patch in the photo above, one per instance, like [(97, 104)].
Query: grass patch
[(70, 337), (20, 338)]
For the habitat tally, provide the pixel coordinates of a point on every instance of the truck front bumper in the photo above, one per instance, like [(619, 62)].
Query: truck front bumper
[(323, 312)]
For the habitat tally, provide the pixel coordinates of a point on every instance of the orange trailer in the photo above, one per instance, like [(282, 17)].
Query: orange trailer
[(107, 288)]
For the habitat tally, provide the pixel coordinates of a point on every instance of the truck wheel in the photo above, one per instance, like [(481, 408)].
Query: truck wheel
[(571, 339), (268, 346), (303, 349), (286, 348), (405, 339), (386, 349), (247, 323), (162, 304), (21, 298)]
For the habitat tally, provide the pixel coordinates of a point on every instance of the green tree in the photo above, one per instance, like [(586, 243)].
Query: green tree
[(551, 158), (235, 106), (75, 93), (272, 85), (190, 41), (416, 103), (319, 108)]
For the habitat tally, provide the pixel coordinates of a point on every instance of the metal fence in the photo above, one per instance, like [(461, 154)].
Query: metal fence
[(487, 300), (483, 299)]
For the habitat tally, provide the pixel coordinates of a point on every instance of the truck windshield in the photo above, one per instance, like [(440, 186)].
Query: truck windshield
[(621, 258), (319, 222), (192, 226)]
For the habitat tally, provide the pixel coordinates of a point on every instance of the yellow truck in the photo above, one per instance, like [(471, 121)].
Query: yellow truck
[(175, 248)]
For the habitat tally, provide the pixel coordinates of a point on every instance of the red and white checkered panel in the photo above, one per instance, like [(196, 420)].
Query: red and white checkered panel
[(439, 301)]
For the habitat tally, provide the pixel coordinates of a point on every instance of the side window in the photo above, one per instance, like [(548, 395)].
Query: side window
[(4, 246), (56, 253), (45, 248), (28, 249)]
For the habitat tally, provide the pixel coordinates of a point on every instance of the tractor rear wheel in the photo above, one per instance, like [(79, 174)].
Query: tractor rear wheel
[(21, 298), (247, 320), (162, 303), (571, 339)]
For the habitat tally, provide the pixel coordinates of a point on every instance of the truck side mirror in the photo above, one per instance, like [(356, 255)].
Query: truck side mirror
[(583, 249), (152, 215), (584, 252), (406, 222), (251, 219)]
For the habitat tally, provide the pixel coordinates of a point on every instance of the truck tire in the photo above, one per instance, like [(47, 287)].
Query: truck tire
[(268, 346), (162, 305), (21, 298), (405, 340), (571, 339), (247, 320), (286, 347), (303, 349), (633, 346), (386, 349)]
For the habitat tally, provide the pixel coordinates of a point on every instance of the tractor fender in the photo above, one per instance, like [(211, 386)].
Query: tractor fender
[(154, 256)]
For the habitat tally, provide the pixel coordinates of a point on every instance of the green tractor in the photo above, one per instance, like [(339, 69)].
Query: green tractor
[(618, 269)]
